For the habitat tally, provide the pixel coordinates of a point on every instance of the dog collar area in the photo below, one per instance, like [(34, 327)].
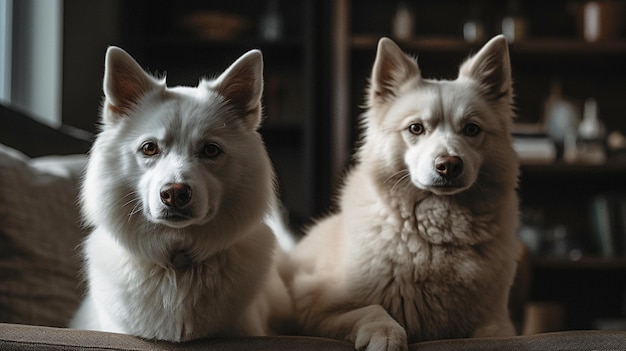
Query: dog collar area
[(181, 259)]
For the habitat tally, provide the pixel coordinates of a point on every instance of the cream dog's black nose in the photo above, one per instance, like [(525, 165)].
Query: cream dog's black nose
[(175, 195), (449, 166)]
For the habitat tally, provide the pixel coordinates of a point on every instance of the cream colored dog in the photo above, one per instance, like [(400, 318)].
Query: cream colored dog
[(424, 244)]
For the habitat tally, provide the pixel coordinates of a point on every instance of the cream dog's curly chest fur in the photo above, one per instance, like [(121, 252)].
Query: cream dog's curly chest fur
[(422, 262)]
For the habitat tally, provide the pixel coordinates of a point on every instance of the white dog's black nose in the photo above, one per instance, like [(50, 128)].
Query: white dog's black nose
[(449, 166), (176, 195)]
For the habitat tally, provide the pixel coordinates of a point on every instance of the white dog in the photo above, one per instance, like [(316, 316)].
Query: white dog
[(177, 188), (424, 244)]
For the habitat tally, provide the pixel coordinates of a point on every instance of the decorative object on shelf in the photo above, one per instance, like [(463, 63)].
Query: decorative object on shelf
[(558, 241), (608, 224), (599, 20), (591, 135), (271, 22), (403, 23), (215, 25), (530, 231), (602, 225), (591, 128), (534, 148), (474, 28), (514, 24), (616, 145), (562, 117)]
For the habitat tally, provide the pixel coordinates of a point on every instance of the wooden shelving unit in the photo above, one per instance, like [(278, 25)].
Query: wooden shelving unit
[(540, 46), (582, 263)]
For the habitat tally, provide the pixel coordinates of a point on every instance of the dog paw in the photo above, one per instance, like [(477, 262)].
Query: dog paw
[(381, 336)]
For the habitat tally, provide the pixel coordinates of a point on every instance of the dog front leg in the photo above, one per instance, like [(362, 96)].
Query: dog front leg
[(370, 328)]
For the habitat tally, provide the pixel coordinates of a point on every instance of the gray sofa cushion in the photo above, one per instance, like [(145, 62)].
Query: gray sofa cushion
[(21, 338), (39, 234)]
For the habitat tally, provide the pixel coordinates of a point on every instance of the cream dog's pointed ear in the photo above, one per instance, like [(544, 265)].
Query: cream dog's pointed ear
[(392, 68), (491, 67), (125, 82), (242, 86)]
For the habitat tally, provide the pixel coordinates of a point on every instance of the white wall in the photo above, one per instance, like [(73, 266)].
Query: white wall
[(6, 9), (36, 59)]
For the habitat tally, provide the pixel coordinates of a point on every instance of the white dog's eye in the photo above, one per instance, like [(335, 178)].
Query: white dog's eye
[(211, 150), (416, 129), (471, 130), (149, 148)]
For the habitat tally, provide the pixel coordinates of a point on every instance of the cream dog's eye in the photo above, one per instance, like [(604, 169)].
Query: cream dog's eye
[(471, 130), (211, 150), (149, 148), (416, 128)]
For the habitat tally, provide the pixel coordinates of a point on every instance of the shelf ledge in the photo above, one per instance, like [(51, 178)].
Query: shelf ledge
[(529, 46), (586, 262)]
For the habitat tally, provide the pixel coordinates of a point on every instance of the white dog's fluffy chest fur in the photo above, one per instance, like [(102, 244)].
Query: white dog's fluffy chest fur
[(426, 263), (167, 302)]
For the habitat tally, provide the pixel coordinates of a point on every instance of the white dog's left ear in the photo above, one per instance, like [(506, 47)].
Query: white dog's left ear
[(392, 68), (491, 67), (242, 86)]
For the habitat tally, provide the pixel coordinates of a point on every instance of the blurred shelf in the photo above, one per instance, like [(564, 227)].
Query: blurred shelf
[(194, 43), (444, 44), (609, 167), (568, 46), (586, 262), (529, 46)]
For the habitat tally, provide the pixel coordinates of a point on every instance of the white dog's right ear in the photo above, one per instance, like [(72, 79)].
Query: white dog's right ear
[(125, 82), (392, 68), (242, 86)]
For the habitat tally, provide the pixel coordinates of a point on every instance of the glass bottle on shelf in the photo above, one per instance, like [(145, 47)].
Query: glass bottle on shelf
[(591, 135), (474, 28), (271, 23), (562, 117), (403, 22), (514, 24)]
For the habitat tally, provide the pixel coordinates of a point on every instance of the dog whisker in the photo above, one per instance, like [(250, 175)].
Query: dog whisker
[(134, 199), (400, 179), (136, 209), (395, 175)]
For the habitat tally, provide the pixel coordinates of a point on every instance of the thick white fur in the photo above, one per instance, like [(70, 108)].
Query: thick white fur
[(409, 256), (206, 269)]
